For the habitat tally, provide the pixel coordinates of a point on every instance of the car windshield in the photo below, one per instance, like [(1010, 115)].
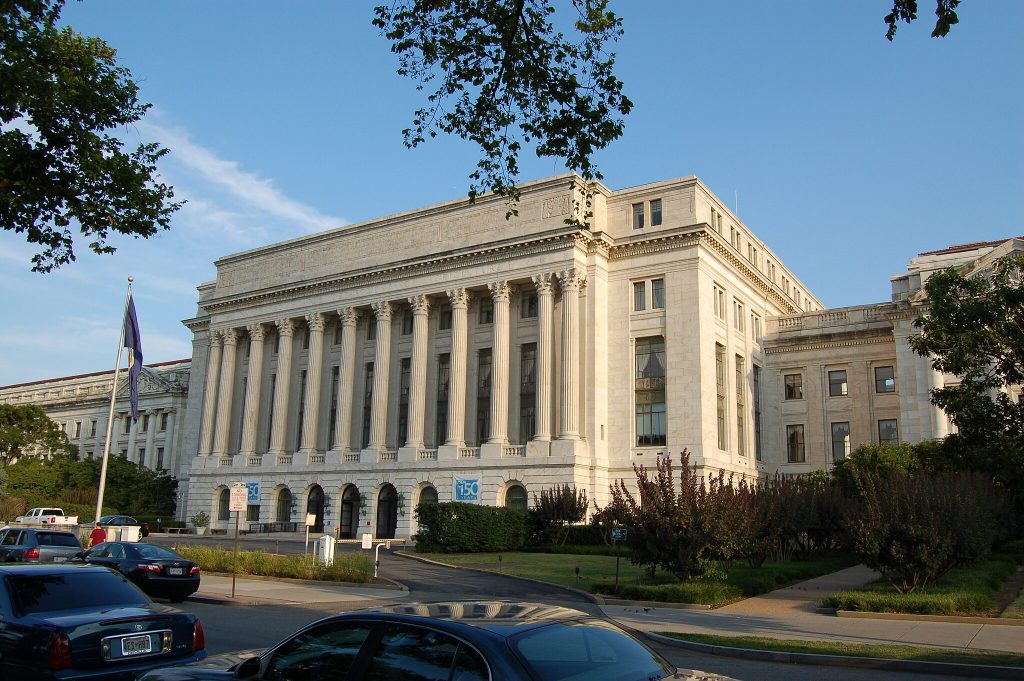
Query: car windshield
[(57, 539), (591, 650), (72, 590), (154, 552)]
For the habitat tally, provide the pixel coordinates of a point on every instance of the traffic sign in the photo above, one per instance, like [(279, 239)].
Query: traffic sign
[(619, 534), (239, 497)]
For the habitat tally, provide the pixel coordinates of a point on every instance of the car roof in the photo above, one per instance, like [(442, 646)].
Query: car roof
[(47, 530), (499, 617)]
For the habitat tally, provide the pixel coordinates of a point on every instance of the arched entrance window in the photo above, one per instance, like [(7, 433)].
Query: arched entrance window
[(387, 512), (315, 505), (224, 504), (350, 512), (515, 497), (284, 506), (428, 495)]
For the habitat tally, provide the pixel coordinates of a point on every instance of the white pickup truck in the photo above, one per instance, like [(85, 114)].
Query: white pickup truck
[(46, 516)]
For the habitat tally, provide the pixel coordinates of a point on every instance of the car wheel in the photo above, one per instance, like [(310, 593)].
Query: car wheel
[(176, 599)]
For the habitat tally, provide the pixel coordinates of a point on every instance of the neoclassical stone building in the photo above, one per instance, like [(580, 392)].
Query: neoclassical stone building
[(448, 353)]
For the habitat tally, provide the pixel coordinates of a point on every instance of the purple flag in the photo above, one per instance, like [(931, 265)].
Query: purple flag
[(133, 341)]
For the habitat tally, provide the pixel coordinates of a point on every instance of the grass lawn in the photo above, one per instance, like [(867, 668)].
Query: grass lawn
[(889, 652)]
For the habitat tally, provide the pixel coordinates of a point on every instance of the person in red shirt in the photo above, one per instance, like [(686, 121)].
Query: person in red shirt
[(98, 536)]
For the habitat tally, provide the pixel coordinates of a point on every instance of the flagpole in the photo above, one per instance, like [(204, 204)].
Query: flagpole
[(113, 399)]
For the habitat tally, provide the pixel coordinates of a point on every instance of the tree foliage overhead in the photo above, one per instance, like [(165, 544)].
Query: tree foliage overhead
[(974, 329), (26, 426), (906, 11), (501, 74), (62, 95)]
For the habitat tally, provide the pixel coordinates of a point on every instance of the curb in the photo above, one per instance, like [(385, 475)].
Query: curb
[(994, 621), (873, 663), (393, 585)]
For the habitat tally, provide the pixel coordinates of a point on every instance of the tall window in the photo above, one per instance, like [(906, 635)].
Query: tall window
[(885, 380), (649, 391), (371, 329), (337, 333), (739, 315), (127, 421), (515, 497), (224, 504), (794, 386), (406, 322), (840, 440), (888, 433), (159, 458), (527, 392), (444, 317), (92, 426), (755, 326), (270, 416), (483, 395), (757, 413), (332, 427), (163, 423), (528, 306), (639, 296), (443, 380), (78, 428), (302, 410), (404, 380), (720, 389), (655, 212), (795, 452), (638, 216), (741, 425), (486, 315), (719, 294), (367, 404), (837, 386), (657, 294), (245, 388)]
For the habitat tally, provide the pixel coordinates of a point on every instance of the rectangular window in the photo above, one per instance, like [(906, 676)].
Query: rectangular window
[(252, 513), (444, 317), (371, 329), (305, 338), (159, 458), (721, 382), (794, 386), (639, 296), (757, 412), (840, 440), (337, 333), (655, 212), (145, 422), (795, 452), (638, 216), (527, 392), (755, 326), (332, 426), (649, 392), (302, 410), (657, 294), (142, 455), (741, 426), (270, 416), (92, 426), (406, 322), (739, 316), (127, 420), (888, 433), (367, 404), (486, 315), (483, 395), (443, 379), (245, 387), (163, 422), (78, 429), (885, 380), (404, 381), (719, 294), (528, 306), (277, 343), (837, 386)]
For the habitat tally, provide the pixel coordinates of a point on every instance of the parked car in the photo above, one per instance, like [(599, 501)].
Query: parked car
[(46, 516), (121, 520), (73, 622), (157, 570), (499, 641), (31, 545)]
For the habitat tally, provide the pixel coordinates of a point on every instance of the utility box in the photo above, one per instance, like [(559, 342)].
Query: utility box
[(130, 532), (325, 549)]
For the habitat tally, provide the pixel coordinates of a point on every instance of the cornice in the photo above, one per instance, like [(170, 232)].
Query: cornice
[(197, 324), (829, 345)]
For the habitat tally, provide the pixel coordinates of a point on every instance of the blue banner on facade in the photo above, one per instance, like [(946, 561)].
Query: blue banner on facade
[(467, 490), (254, 492)]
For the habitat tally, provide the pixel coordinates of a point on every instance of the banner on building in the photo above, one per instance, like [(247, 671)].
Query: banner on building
[(254, 492), (467, 489)]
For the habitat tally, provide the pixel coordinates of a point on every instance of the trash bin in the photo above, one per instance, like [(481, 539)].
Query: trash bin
[(130, 532), (325, 549)]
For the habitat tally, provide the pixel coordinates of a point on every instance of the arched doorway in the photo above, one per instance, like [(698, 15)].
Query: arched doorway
[(315, 505), (284, 506), (350, 512), (387, 512)]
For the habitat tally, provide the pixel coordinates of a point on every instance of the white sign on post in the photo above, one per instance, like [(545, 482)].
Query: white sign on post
[(367, 541), (239, 497)]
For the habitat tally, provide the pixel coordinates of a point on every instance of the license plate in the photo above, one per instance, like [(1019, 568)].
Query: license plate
[(175, 572), (136, 645), (59, 559)]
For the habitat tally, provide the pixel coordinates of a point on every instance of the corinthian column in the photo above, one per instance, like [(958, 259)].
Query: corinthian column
[(500, 292), (457, 390), (545, 344), (418, 386), (251, 412), (279, 426), (348, 318), (210, 395), (227, 380), (381, 367), (311, 406), (572, 282)]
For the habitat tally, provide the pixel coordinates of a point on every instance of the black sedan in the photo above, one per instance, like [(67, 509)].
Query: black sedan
[(157, 570), (122, 520), (77, 622), (494, 641)]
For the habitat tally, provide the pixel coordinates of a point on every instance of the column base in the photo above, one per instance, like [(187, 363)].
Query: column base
[(448, 452), (568, 448), (491, 450), (408, 453), (538, 448)]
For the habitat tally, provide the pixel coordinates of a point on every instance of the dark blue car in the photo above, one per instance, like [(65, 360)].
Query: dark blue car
[(488, 641), (87, 622)]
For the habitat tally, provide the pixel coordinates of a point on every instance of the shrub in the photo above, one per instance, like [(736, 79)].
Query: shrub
[(11, 508), (347, 567), (555, 509), (453, 527), (695, 592)]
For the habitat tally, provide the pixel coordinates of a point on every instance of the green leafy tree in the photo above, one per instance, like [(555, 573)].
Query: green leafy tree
[(26, 426), (555, 509), (906, 11), (61, 96)]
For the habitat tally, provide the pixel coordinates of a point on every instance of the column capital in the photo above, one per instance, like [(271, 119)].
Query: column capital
[(420, 304), (572, 280), (257, 332), (285, 327), (316, 321), (544, 283), (349, 316), (458, 297), (500, 291), (382, 310), (217, 338), (230, 336)]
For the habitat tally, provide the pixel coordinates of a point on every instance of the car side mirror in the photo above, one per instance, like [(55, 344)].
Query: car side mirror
[(248, 669)]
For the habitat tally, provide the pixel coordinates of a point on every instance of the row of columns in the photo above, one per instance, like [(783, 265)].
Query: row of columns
[(221, 374)]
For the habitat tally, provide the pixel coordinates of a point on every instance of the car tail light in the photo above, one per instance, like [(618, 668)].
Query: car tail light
[(198, 637), (194, 570), (59, 651), (148, 567), (32, 554)]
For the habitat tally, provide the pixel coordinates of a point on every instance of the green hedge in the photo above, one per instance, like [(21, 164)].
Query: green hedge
[(579, 550), (696, 591), (347, 567), (453, 527)]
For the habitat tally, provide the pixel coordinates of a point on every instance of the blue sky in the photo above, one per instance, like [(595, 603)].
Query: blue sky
[(849, 154)]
